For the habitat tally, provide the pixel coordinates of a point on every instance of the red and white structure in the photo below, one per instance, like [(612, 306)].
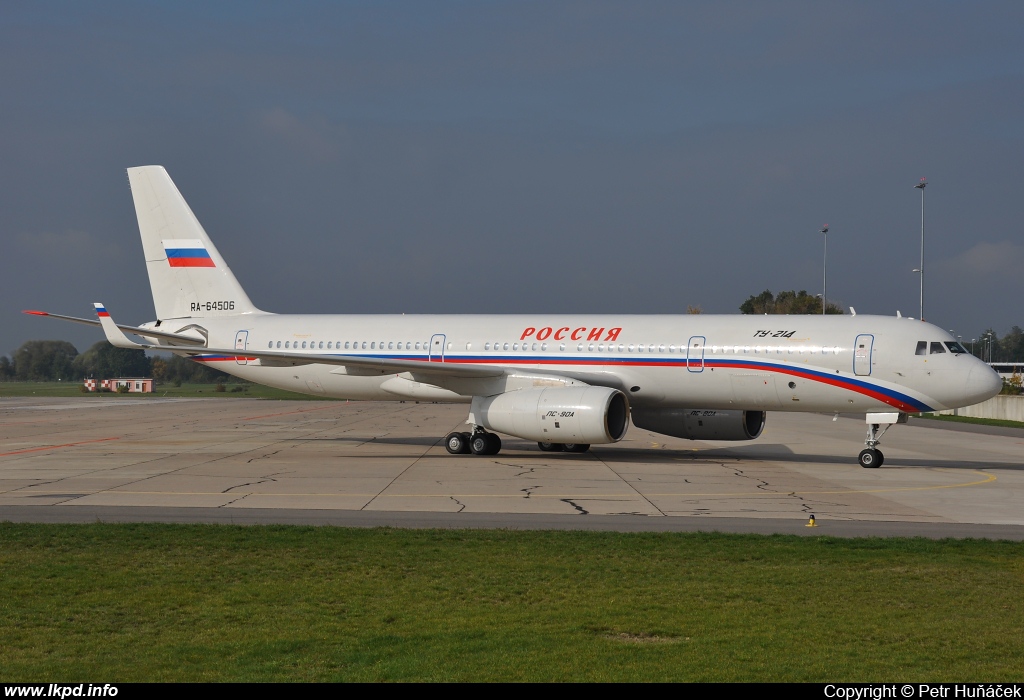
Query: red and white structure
[(135, 385)]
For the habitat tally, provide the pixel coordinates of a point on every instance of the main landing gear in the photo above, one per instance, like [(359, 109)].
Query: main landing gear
[(479, 442), (878, 423)]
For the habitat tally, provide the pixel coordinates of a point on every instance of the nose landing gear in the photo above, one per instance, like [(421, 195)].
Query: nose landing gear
[(878, 423)]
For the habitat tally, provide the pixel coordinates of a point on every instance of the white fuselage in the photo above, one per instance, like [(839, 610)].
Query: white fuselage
[(787, 363)]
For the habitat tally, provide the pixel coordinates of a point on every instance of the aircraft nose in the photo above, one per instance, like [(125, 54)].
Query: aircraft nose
[(983, 383)]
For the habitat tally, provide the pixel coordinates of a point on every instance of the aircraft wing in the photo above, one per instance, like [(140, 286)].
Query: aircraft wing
[(117, 338), (175, 337)]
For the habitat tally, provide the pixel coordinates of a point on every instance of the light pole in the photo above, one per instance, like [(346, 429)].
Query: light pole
[(972, 346), (824, 271), (920, 186)]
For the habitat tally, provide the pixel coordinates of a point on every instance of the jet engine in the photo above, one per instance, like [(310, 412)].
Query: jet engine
[(592, 415), (697, 424)]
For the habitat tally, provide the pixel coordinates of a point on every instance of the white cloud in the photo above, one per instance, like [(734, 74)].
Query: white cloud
[(314, 137), (986, 260)]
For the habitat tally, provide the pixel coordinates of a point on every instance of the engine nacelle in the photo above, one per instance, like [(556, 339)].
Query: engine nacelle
[(696, 424), (591, 415)]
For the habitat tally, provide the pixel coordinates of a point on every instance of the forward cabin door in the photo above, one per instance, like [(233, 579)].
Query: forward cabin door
[(241, 342), (436, 352), (862, 354), (695, 354)]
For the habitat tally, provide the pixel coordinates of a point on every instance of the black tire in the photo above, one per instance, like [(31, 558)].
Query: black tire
[(480, 443), (495, 444), (575, 447), (456, 443), (550, 446), (870, 459)]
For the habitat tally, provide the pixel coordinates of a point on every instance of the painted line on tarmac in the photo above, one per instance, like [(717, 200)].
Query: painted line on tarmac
[(57, 447), (288, 413), (589, 496)]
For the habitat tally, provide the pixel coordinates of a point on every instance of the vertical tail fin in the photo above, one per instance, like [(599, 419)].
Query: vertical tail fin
[(188, 276)]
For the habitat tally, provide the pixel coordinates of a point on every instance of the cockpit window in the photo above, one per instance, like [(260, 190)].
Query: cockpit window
[(956, 348), (922, 347), (937, 349)]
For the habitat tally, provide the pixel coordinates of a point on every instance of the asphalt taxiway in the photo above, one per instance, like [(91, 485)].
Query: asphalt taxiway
[(240, 460)]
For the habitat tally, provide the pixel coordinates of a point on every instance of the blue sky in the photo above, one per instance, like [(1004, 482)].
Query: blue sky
[(517, 156)]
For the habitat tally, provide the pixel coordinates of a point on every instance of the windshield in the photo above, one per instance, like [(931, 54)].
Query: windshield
[(956, 348)]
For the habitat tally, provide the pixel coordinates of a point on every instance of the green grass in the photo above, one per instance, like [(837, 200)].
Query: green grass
[(201, 603), (67, 389), (976, 421)]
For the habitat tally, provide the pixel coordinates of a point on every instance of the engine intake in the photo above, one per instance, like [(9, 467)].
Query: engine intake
[(697, 424), (592, 415)]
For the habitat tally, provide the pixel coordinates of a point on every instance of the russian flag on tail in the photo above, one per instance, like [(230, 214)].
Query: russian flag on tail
[(187, 253)]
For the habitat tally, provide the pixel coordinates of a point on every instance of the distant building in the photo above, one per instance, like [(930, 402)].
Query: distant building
[(136, 385)]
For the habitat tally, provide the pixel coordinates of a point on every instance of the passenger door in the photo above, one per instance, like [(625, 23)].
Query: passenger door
[(695, 354), (241, 342), (862, 354), (436, 351)]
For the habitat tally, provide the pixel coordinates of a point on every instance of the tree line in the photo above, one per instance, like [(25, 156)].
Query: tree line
[(53, 360), (1009, 348)]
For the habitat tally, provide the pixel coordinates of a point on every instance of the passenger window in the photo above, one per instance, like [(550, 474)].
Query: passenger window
[(937, 349), (561, 347), (922, 347), (364, 345), (600, 347), (391, 345), (287, 345), (579, 348), (590, 348), (505, 346), (279, 343), (321, 345), (543, 347), (271, 345)]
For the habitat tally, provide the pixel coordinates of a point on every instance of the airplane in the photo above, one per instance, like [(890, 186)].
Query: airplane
[(564, 381)]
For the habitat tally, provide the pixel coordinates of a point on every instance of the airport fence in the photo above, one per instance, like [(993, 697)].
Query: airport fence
[(1002, 407)]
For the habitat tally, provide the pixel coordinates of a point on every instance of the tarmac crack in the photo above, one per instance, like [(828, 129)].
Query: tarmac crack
[(248, 483), (462, 506), (578, 507)]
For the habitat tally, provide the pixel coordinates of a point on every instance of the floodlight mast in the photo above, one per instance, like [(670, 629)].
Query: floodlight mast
[(824, 271), (920, 186)]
